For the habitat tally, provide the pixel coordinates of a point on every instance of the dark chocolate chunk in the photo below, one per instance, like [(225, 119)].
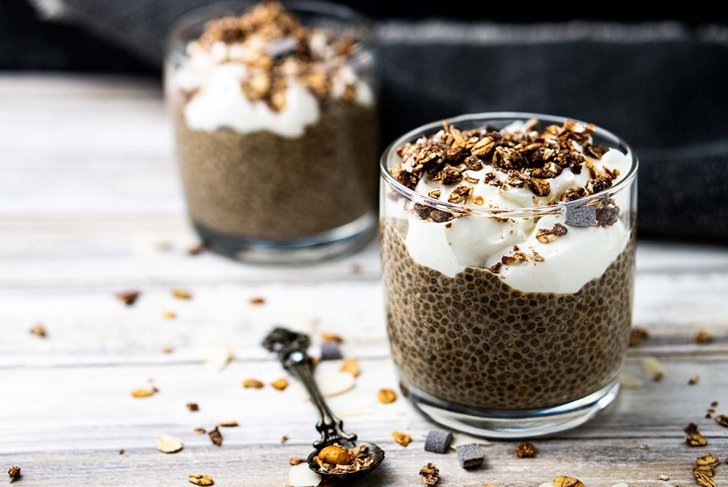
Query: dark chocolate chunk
[(470, 455), (438, 441), (331, 351), (581, 216)]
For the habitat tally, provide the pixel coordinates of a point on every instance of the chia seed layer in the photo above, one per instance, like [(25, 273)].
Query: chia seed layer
[(474, 341), (262, 186)]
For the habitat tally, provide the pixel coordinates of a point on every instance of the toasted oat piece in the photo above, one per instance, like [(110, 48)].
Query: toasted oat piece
[(387, 396)]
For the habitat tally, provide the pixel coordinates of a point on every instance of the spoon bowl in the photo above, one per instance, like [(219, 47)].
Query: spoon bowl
[(375, 453)]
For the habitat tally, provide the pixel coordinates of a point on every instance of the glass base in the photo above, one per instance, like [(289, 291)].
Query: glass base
[(514, 424), (337, 242)]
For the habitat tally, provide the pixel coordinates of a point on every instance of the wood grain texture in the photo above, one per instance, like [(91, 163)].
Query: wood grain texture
[(89, 192)]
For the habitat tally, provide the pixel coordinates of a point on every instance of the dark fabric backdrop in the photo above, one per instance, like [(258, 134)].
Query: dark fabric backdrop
[(659, 85)]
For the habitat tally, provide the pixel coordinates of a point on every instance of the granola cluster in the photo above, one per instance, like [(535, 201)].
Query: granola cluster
[(275, 47), (525, 158), (335, 459)]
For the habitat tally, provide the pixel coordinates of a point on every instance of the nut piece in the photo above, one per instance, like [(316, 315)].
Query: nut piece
[(707, 460), (139, 393), (181, 293), (280, 384), (215, 436), (350, 365), (694, 380), (703, 337), (563, 481), (402, 438), (693, 436), (228, 424), (127, 297), (252, 384), (663, 477), (200, 479), (295, 460), (430, 474), (387, 396), (702, 478), (192, 406), (526, 449), (38, 330), (257, 300), (722, 420), (335, 455), (14, 473), (169, 444)]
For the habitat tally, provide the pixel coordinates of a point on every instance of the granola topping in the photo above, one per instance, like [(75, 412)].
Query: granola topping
[(430, 474), (267, 63), (467, 176)]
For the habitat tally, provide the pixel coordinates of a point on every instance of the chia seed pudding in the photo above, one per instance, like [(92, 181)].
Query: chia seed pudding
[(276, 131), (508, 262)]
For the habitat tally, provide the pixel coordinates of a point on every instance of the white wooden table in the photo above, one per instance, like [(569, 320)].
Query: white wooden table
[(89, 195)]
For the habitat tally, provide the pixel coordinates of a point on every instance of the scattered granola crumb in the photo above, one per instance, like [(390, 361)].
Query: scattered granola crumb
[(526, 449), (356, 269), (192, 406), (252, 384), (257, 300), (169, 444), (714, 404), (167, 349), (693, 436), (196, 249), (199, 431), (140, 393), (722, 420), (548, 235), (280, 384), (38, 330), (332, 337), (564, 481), (644, 447), (402, 438), (350, 365), (703, 470), (215, 436), (169, 315), (181, 293), (703, 337), (127, 297), (694, 380), (387, 396), (121, 451), (14, 473), (200, 479), (663, 477), (654, 368), (228, 424), (284, 439), (637, 335), (629, 381), (430, 474), (295, 460), (703, 479)]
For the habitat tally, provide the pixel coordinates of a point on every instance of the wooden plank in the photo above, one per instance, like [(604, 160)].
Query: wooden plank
[(77, 434)]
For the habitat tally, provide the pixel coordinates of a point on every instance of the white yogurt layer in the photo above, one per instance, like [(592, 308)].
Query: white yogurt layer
[(218, 101), (569, 262)]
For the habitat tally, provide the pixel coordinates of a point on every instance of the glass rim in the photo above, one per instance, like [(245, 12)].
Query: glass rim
[(459, 208), (176, 41)]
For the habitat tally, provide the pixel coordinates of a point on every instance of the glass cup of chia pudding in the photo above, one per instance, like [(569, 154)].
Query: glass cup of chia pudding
[(508, 244), (274, 108)]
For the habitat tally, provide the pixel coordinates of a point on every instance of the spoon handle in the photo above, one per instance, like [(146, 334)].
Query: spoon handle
[(330, 426), (291, 349)]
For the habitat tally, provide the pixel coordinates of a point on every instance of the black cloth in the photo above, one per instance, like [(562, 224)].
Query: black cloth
[(661, 86)]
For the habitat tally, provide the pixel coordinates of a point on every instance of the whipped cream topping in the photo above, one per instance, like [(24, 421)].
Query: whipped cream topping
[(263, 71), (561, 265)]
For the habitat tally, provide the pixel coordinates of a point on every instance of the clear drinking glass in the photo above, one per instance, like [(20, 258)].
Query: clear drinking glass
[(503, 350), (277, 157)]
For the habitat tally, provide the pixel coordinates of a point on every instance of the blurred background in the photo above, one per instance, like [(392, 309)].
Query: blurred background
[(659, 82)]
